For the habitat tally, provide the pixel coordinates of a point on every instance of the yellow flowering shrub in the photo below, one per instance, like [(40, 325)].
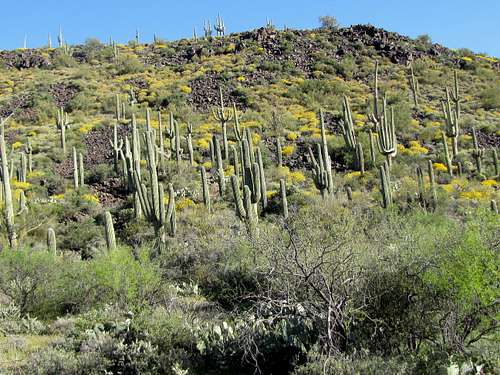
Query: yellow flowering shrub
[(271, 193), (351, 175), (186, 89), (475, 195), (296, 177), (440, 167), (489, 183), (91, 198), (448, 188), (184, 203), (207, 164), (414, 149), (292, 136), (203, 143), (288, 150), (17, 145), (20, 185)]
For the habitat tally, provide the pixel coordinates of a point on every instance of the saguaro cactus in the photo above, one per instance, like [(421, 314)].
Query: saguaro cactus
[(205, 189), (494, 156), (347, 125), (477, 153), (81, 172), (385, 185), (8, 205), (279, 152), (76, 180), (386, 129), (223, 115), (109, 231), (189, 140), (221, 179), (62, 125), (284, 202), (414, 86), (447, 157), (117, 146), (452, 114), (432, 181), (244, 208), (51, 241), (220, 27)]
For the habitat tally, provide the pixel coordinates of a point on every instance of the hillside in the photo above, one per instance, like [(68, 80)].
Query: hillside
[(295, 201)]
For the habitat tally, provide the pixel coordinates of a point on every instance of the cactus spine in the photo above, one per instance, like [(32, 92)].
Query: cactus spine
[(109, 231), (223, 115), (51, 241)]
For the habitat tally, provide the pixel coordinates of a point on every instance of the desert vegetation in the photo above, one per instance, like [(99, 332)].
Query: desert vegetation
[(267, 202)]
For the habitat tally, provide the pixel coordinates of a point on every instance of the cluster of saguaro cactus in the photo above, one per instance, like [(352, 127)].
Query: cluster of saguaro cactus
[(322, 166), (62, 123), (207, 29), (253, 181), (220, 27), (347, 126), (152, 198), (452, 115)]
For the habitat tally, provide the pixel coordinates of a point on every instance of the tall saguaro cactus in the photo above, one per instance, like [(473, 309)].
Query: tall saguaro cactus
[(51, 241), (223, 115), (452, 114), (477, 153), (414, 86), (386, 129), (8, 205), (62, 125)]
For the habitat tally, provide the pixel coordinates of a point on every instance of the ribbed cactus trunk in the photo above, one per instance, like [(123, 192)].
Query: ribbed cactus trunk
[(284, 201), (432, 181), (8, 205), (204, 187), (385, 185), (109, 231), (76, 180), (51, 241)]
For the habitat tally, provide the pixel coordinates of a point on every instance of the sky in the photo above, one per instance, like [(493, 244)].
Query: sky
[(453, 23)]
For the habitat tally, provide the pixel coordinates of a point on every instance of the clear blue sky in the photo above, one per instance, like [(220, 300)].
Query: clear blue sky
[(454, 23)]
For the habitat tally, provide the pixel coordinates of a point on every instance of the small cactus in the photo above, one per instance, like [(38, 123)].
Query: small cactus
[(284, 202), (385, 185), (205, 189)]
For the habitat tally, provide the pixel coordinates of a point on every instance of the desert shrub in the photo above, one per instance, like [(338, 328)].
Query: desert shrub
[(129, 64), (46, 285), (490, 98)]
